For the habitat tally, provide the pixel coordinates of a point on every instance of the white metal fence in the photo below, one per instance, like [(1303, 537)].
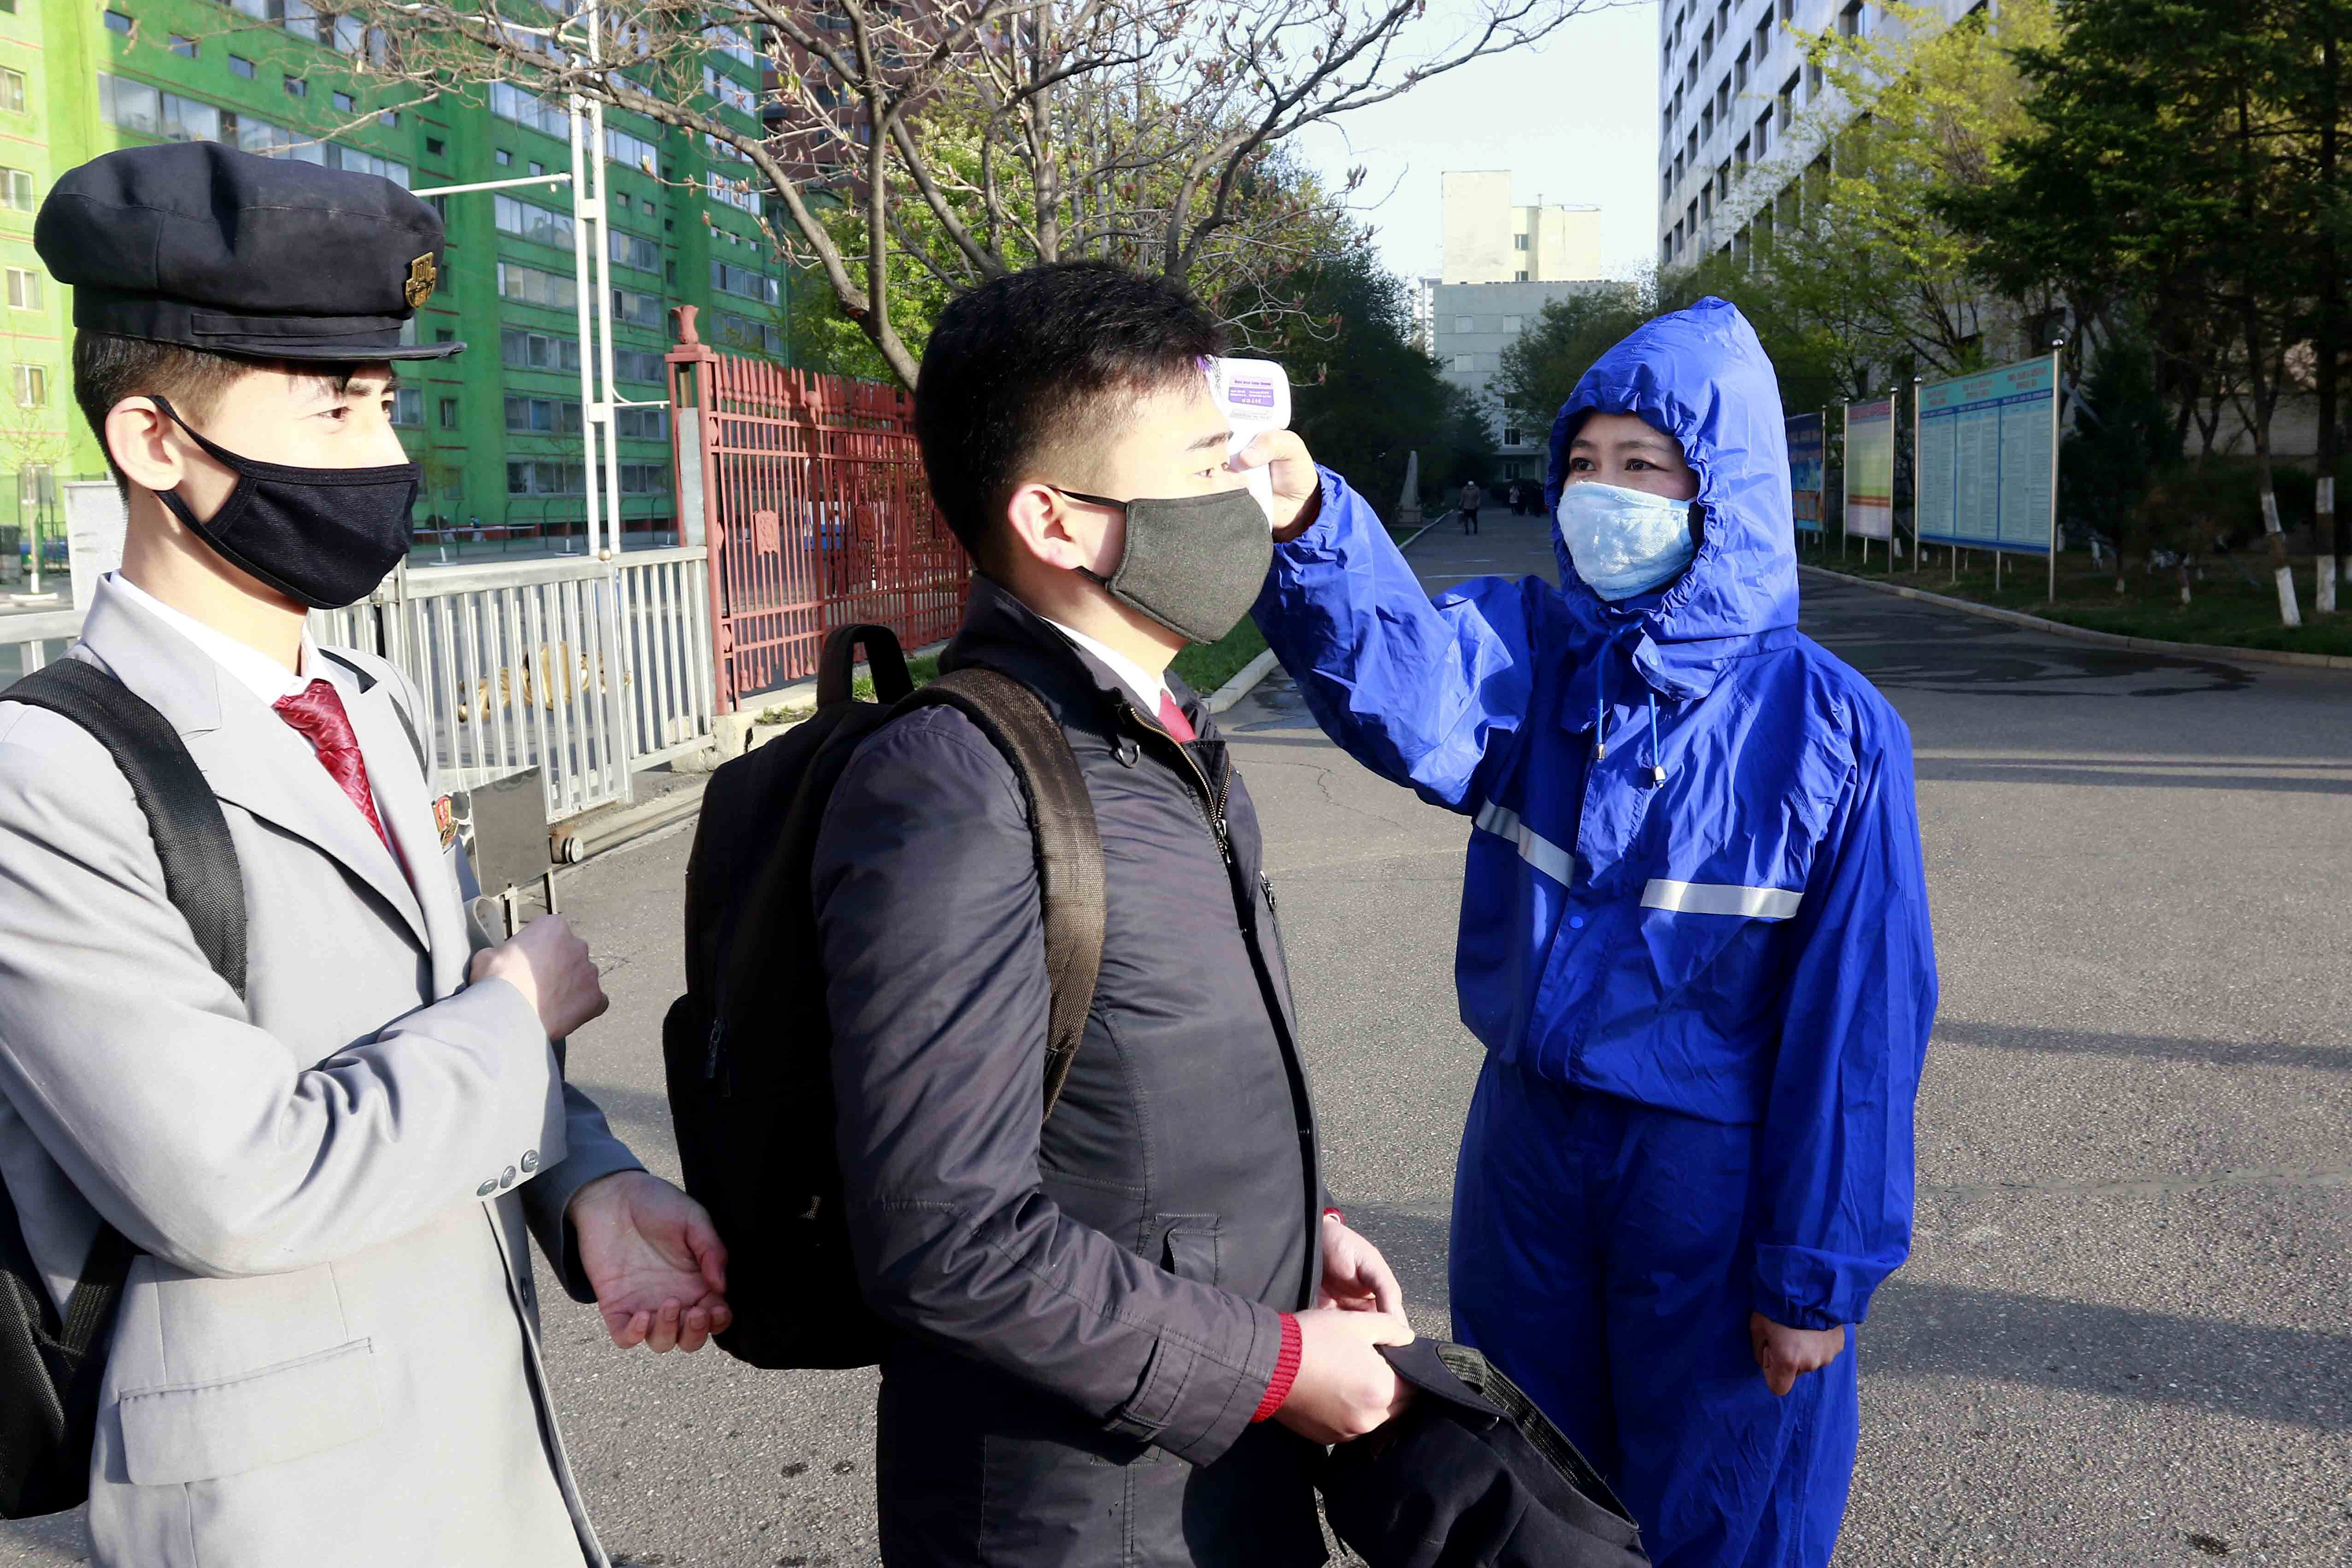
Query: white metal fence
[(587, 669)]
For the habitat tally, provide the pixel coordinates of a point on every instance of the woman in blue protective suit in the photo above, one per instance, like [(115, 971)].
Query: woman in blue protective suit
[(1694, 941)]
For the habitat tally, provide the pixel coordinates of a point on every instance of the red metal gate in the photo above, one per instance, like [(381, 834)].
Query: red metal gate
[(815, 512)]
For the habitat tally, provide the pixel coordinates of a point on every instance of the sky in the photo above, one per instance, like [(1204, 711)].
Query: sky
[(1575, 120)]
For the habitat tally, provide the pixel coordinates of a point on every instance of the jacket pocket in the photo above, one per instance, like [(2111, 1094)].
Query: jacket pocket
[(203, 1431), (1191, 1247)]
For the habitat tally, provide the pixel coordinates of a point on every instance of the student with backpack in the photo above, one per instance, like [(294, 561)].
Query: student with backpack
[(1115, 1320), (278, 1123)]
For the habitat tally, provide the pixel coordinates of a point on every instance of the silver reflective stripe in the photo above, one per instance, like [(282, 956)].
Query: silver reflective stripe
[(1534, 847), (1720, 899)]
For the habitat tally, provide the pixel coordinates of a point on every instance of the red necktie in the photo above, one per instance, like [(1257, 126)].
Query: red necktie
[(318, 713), (1172, 718)]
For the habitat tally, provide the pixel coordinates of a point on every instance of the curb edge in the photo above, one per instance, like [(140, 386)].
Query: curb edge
[(2289, 656)]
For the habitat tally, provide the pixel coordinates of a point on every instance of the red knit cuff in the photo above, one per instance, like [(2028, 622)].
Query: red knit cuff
[(1286, 1372)]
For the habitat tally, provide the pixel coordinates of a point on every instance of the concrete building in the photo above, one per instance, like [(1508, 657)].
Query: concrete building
[(1503, 264), (1488, 240), (496, 429), (1734, 90)]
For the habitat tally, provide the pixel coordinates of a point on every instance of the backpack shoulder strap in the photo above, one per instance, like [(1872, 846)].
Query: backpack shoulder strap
[(202, 879), (201, 875), (1068, 846)]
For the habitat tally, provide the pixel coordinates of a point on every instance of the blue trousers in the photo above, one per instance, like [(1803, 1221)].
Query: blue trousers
[(1601, 1257)]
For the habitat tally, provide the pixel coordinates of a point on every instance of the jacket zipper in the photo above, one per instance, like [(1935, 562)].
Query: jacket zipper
[(1211, 800)]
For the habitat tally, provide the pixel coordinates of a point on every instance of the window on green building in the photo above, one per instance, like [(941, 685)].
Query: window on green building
[(527, 221), (632, 250), (502, 157), (12, 91), (240, 67), (24, 288), (730, 279), (184, 46), (116, 22), (448, 414), (641, 424), (32, 386), (17, 190), (522, 349), (408, 406), (346, 102), (297, 88), (532, 287), (639, 364), (636, 310), (542, 477), (542, 415)]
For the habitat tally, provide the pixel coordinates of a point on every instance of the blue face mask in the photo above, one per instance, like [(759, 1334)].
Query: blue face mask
[(1623, 542)]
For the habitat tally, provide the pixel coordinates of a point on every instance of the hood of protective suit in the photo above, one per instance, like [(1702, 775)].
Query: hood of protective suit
[(1701, 377)]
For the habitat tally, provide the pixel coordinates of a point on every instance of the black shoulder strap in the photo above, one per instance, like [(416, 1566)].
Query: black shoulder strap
[(837, 665), (202, 879), (1068, 846), (201, 875)]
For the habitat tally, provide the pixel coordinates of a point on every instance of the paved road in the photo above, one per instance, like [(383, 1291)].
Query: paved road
[(2124, 1338)]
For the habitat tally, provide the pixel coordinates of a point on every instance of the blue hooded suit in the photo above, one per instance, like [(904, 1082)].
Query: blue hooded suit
[(1694, 941)]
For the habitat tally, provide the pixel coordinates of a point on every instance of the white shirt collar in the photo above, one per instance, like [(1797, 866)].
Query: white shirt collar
[(248, 666), (1146, 688)]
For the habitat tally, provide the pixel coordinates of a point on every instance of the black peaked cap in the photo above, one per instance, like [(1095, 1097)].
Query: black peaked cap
[(200, 245)]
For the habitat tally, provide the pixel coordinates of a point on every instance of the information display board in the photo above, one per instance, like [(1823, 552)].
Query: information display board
[(1988, 458), (1870, 469), (1805, 470)]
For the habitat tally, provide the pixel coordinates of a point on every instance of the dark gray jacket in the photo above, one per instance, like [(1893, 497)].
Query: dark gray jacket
[(1092, 1308)]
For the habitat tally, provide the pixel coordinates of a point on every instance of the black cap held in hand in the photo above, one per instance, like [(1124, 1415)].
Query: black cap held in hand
[(200, 245)]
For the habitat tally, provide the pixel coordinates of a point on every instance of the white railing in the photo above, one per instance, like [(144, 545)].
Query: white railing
[(583, 669), (666, 623), (518, 670), (30, 641)]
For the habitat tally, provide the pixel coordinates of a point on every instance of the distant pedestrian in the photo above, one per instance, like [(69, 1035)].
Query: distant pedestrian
[(1470, 496)]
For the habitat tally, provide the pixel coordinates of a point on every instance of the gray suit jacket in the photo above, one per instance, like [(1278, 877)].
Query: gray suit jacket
[(329, 1348)]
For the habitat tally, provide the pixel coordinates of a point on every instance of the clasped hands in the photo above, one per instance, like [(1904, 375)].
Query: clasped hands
[(1345, 1388)]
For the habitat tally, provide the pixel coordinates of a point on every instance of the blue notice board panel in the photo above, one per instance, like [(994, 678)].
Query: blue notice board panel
[(1805, 471), (1986, 445)]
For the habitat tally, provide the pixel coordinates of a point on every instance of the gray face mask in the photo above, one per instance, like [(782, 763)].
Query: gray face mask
[(1193, 563)]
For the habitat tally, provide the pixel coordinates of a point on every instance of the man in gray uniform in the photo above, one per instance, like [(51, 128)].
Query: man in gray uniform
[(327, 1349)]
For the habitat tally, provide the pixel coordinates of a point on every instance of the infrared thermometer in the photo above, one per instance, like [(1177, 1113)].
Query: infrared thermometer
[(1254, 396)]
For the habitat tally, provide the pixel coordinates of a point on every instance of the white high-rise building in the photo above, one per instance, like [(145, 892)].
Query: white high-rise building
[(1734, 90), (1503, 264)]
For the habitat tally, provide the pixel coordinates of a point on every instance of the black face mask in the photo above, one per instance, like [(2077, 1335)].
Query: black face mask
[(1193, 563), (323, 536)]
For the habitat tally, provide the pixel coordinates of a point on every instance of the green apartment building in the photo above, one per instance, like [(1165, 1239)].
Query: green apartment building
[(496, 429)]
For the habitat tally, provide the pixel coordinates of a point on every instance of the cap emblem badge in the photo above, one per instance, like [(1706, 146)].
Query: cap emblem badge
[(421, 276)]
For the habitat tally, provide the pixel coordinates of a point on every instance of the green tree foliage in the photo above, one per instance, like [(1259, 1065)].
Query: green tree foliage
[(2165, 163), (2123, 436), (1542, 365)]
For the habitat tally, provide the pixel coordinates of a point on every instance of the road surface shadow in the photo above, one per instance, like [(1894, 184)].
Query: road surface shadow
[(2147, 1047), (2059, 771), (2294, 1377)]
